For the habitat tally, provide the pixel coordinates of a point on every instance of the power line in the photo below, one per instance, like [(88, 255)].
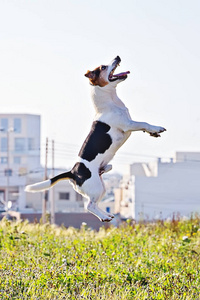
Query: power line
[(67, 151)]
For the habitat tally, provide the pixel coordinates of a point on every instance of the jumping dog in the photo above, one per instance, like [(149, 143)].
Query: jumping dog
[(111, 127)]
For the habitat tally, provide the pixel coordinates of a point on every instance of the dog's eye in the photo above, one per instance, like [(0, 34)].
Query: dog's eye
[(103, 67)]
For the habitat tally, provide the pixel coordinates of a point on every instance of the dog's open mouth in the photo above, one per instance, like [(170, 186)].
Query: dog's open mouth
[(113, 77)]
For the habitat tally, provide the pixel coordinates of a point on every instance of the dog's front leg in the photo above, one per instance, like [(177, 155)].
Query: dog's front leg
[(143, 126)]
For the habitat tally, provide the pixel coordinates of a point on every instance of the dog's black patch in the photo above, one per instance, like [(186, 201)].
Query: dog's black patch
[(98, 141), (80, 173), (66, 175), (97, 72)]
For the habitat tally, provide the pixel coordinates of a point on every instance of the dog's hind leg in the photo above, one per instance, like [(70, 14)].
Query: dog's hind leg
[(95, 210), (105, 169), (94, 190), (93, 207)]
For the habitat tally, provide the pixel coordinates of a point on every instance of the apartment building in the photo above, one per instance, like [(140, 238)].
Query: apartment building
[(20, 165), (19, 141), (19, 155)]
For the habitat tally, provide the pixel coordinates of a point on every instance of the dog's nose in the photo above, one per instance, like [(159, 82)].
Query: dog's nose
[(118, 59)]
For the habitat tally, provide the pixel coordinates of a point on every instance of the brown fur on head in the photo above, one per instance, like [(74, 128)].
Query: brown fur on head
[(98, 76), (104, 75)]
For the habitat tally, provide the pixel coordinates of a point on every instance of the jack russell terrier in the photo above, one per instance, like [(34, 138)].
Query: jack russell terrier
[(111, 127)]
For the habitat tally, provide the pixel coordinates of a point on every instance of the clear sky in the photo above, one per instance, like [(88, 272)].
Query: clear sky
[(46, 46)]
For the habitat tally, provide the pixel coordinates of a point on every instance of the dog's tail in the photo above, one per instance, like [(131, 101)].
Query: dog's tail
[(46, 184)]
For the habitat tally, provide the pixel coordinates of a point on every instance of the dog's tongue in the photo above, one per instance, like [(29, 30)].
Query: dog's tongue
[(121, 74)]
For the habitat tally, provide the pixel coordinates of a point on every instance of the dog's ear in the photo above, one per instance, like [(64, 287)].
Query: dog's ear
[(90, 74)]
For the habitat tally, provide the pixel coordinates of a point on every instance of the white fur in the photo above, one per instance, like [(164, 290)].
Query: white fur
[(38, 187)]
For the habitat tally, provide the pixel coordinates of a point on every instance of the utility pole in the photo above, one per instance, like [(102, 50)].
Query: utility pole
[(8, 174), (45, 195), (52, 190), (8, 170)]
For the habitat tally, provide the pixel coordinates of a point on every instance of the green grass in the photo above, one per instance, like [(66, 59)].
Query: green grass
[(150, 261)]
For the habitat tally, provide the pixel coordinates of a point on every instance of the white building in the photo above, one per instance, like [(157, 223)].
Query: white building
[(19, 154), (161, 189), (20, 165), (111, 181)]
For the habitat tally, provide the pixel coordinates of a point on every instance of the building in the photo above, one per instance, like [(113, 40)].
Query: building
[(111, 181), (19, 155), (161, 189), (20, 165)]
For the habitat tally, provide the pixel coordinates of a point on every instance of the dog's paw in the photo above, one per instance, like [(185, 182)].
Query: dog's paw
[(106, 219), (111, 215), (156, 132), (105, 169)]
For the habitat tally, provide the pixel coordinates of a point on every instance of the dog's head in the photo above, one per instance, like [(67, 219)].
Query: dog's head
[(104, 75)]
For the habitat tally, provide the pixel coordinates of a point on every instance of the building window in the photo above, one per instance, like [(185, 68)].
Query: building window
[(2, 195), (8, 172), (20, 144), (17, 160), (4, 144), (64, 196), (4, 124), (4, 160), (108, 209), (30, 143), (17, 125), (2, 199), (79, 197)]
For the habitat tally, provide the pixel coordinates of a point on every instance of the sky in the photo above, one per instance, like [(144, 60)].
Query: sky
[(46, 47)]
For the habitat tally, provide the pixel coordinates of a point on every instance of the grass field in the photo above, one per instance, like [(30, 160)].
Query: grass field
[(153, 261)]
